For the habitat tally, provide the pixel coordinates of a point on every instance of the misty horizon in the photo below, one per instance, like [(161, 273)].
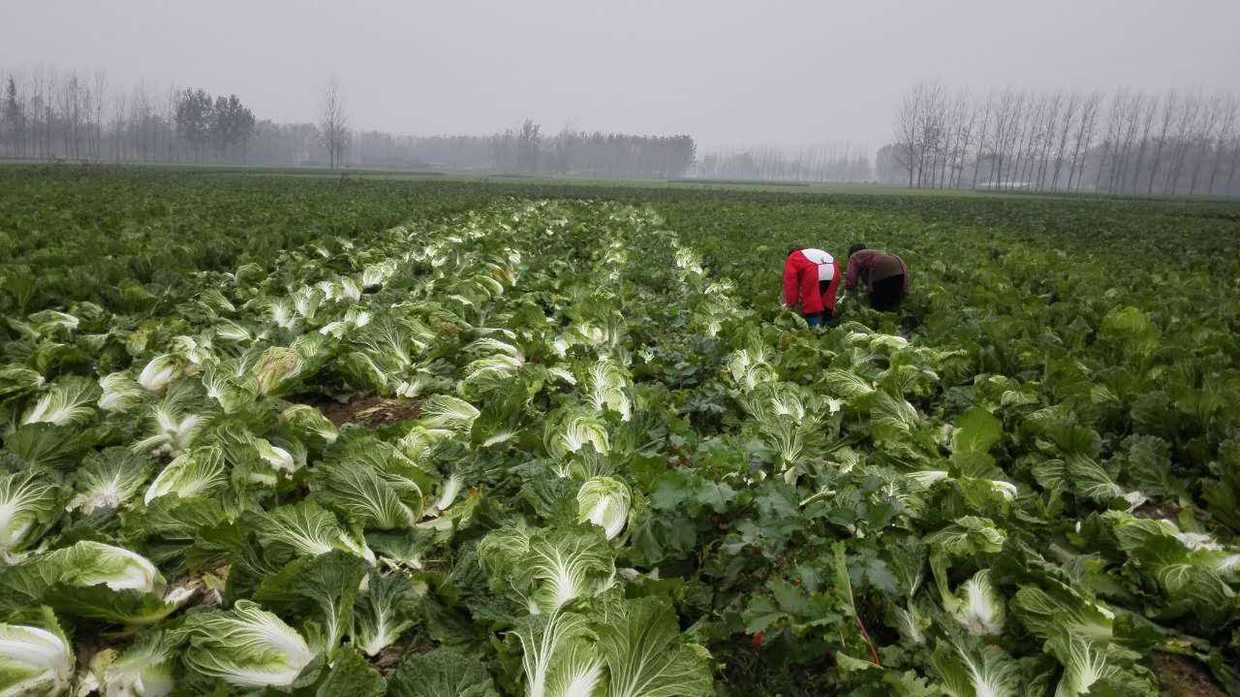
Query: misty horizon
[(729, 75)]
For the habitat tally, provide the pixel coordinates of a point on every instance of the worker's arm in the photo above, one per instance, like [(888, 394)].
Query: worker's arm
[(791, 290), (905, 267), (854, 270)]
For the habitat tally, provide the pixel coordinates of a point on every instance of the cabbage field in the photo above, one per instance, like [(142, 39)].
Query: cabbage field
[(274, 435)]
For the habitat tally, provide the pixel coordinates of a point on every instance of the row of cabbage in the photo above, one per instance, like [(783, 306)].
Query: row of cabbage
[(621, 481), (221, 534), (927, 539)]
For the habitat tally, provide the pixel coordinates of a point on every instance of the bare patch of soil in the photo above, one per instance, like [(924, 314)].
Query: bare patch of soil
[(1167, 510), (1181, 676), (372, 412), (387, 660)]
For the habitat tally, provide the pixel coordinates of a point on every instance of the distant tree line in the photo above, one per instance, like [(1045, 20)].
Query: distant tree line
[(47, 114), (842, 162), (1127, 141), (526, 149)]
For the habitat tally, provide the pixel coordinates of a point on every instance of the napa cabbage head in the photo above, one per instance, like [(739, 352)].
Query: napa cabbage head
[(88, 563), (109, 479), (605, 502), (29, 504), (548, 568), (193, 473), (35, 661), (143, 669), (246, 646), (159, 372)]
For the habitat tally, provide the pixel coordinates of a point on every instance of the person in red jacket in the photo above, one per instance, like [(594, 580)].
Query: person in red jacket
[(885, 276), (811, 279)]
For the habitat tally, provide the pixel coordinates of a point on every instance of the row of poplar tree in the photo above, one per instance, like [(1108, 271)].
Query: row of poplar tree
[(1128, 141)]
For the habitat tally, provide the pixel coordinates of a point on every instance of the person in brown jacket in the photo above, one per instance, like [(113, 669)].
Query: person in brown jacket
[(884, 275)]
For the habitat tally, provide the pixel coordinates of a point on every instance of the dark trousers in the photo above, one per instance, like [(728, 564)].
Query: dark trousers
[(885, 295)]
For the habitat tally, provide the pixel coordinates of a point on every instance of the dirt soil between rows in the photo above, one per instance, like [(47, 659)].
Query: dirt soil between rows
[(372, 412), (1181, 676)]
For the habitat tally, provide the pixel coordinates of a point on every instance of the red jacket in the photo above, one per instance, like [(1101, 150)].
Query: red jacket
[(803, 271)]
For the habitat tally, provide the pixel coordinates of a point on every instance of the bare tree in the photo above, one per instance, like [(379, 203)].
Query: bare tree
[(1084, 136), (1110, 142), (1170, 105), (1226, 135), (1049, 129), (334, 123), (907, 130), (1235, 161), (1131, 119), (966, 120), (987, 111), (1212, 113), (1185, 129), (1147, 124), (1067, 122)]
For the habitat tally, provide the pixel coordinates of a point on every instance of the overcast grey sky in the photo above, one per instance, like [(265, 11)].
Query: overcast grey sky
[(724, 71)]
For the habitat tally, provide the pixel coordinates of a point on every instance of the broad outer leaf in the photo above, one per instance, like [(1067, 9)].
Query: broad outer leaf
[(646, 656), (351, 676), (443, 672)]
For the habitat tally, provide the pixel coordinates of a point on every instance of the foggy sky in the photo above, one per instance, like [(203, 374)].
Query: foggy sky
[(725, 71)]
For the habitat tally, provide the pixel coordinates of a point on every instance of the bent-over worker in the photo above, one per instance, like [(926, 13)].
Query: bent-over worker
[(885, 276), (811, 279)]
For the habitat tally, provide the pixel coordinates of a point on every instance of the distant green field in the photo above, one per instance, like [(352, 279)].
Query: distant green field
[(389, 434)]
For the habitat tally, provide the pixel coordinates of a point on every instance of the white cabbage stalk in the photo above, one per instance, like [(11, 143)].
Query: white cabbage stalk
[(33, 661), (448, 412), (306, 417), (605, 502), (142, 670), (192, 350), (306, 302), (15, 379), (277, 365), (376, 275), (349, 290), (981, 610), (89, 563), (277, 457), (498, 438), (327, 288), (67, 402), (1084, 663), (247, 646), (190, 474), (608, 385), (120, 392), (26, 499), (310, 530), (1006, 489), (50, 320), (987, 672), (158, 373), (174, 432), (927, 478), (282, 314), (229, 330), (381, 615), (451, 488), (572, 432), (107, 486)]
